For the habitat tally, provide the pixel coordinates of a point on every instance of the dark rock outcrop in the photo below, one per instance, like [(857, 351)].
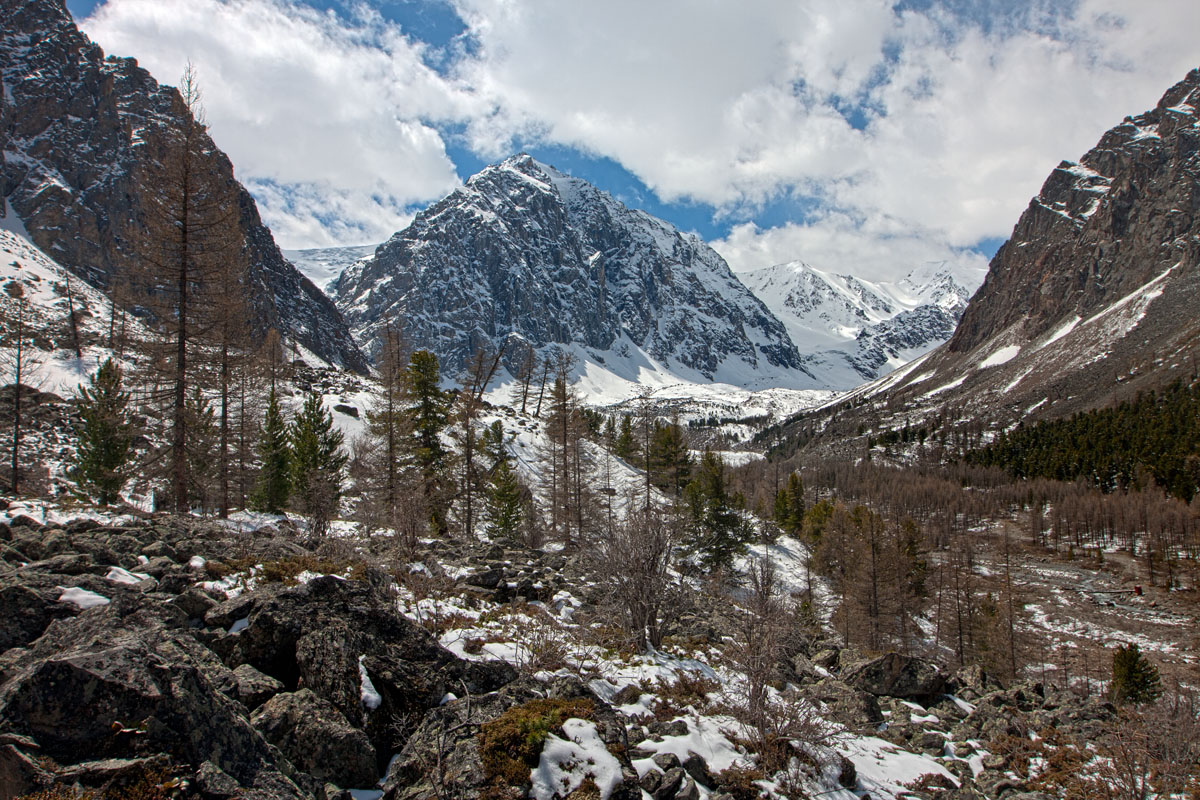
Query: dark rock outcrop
[(316, 738), (895, 675)]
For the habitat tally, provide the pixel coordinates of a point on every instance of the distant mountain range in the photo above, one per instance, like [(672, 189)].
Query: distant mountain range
[(845, 330), (851, 330)]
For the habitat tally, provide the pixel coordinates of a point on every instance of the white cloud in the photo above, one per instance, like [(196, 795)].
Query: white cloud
[(326, 110), (848, 245), (736, 104), (334, 120)]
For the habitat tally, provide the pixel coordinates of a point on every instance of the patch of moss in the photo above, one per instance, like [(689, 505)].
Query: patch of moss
[(511, 745)]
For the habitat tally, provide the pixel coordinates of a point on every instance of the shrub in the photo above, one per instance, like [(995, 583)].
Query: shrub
[(511, 745), (739, 782)]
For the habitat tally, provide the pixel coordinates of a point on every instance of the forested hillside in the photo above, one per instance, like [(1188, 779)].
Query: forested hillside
[(1155, 436)]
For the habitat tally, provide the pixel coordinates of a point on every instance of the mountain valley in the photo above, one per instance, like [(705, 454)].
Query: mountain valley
[(539, 498)]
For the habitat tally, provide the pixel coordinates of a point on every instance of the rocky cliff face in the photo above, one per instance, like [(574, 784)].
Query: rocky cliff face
[(526, 256), (75, 128), (1100, 228)]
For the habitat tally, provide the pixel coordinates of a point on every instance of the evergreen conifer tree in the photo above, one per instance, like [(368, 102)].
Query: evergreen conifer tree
[(430, 412), (789, 506), (104, 434), (502, 505), (274, 478), (1134, 678), (317, 460), (717, 532), (625, 441)]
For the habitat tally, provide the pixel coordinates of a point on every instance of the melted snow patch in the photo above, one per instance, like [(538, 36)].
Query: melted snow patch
[(706, 738), (1001, 356), (945, 387), (118, 575), (370, 697), (82, 598), (1062, 331), (1016, 380), (566, 763), (884, 769)]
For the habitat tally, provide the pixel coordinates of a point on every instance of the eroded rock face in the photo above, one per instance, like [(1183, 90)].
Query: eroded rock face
[(78, 131), (124, 686), (315, 636)]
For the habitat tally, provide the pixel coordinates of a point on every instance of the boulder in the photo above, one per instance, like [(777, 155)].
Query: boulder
[(27, 612), (252, 688), (442, 759), (317, 738), (316, 635), (123, 685), (847, 705), (895, 675)]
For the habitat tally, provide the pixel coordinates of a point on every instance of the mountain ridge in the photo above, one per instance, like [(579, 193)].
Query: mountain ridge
[(1091, 300), (850, 330)]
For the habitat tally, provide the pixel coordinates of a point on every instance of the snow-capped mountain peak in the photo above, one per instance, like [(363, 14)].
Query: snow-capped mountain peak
[(529, 257), (850, 329)]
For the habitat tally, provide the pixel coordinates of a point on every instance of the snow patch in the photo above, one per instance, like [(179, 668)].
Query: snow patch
[(369, 696), (1001, 356), (566, 762), (82, 598)]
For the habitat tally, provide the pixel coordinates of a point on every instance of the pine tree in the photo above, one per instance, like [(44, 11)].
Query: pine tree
[(429, 408), (317, 461), (202, 448), (502, 504), (717, 532), (670, 460), (1134, 678), (104, 435), (789, 507), (274, 478), (625, 441)]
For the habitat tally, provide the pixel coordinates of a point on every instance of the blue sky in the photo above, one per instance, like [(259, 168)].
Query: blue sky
[(868, 137)]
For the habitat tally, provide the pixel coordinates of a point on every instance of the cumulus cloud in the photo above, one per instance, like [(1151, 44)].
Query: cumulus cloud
[(911, 129), (838, 241), (930, 120), (314, 109)]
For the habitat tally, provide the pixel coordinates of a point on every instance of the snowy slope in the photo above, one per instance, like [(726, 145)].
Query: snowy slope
[(43, 284), (323, 265), (850, 330)]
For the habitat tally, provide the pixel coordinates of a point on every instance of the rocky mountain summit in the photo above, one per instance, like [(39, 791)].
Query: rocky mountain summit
[(527, 257), (78, 132), (849, 330)]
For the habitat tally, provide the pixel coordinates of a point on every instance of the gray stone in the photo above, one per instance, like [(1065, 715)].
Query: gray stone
[(316, 737)]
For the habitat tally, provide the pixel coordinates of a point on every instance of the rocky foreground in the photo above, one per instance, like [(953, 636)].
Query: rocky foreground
[(131, 665)]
